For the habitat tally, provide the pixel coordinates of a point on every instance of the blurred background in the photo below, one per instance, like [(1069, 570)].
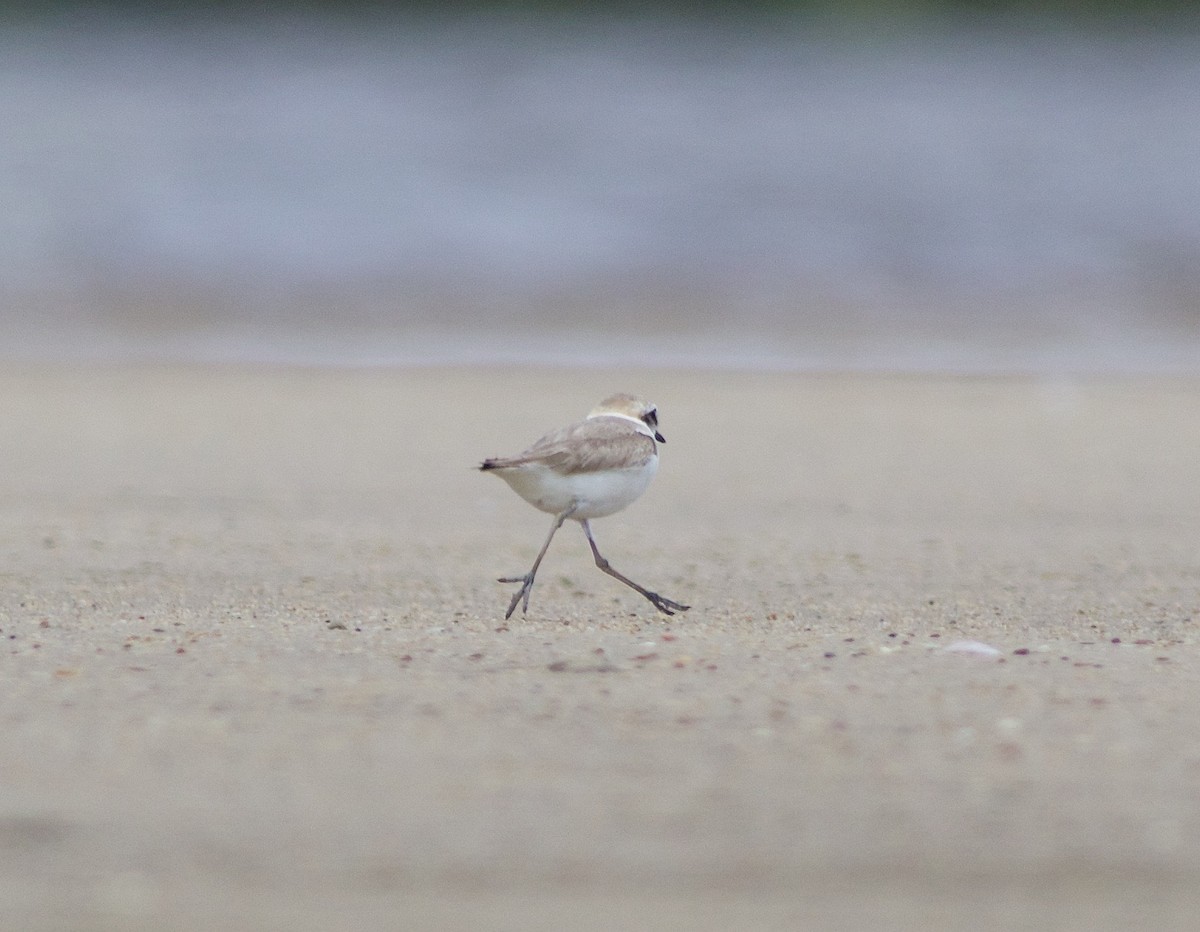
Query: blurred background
[(972, 186)]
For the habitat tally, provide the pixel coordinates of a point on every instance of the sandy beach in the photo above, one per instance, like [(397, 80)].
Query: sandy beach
[(942, 667)]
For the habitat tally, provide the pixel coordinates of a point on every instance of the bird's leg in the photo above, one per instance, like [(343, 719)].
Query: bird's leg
[(664, 605), (526, 581)]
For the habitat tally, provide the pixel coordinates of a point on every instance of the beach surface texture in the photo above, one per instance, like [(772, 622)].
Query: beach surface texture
[(941, 669)]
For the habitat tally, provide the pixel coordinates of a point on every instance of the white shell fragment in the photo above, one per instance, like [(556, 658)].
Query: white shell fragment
[(973, 647)]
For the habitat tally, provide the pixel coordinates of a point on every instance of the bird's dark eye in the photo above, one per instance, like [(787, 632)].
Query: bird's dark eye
[(651, 417)]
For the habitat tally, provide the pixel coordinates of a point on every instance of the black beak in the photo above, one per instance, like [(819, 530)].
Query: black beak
[(659, 437)]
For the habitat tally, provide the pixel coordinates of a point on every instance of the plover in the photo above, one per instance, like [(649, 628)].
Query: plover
[(587, 470)]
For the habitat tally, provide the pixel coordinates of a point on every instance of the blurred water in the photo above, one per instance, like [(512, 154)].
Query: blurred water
[(677, 193)]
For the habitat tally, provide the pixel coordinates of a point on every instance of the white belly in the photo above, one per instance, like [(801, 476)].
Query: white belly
[(594, 494)]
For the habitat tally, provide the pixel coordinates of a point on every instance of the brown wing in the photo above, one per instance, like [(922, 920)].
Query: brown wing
[(588, 446)]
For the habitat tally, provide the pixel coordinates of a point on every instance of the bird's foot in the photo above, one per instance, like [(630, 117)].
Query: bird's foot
[(665, 605), (526, 582)]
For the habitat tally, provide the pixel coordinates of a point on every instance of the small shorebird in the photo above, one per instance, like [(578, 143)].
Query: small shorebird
[(588, 470)]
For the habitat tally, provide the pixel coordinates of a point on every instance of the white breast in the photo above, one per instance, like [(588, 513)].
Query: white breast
[(595, 494)]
